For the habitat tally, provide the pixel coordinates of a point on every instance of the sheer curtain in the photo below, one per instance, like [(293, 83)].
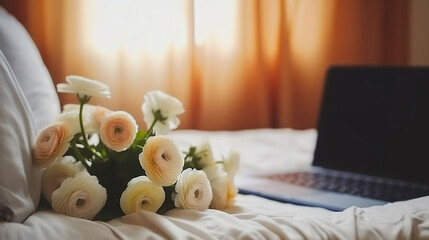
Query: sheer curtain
[(234, 64)]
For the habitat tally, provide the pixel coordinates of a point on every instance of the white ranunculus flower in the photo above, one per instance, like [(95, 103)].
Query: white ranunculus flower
[(84, 86), (142, 194), (219, 185), (206, 153), (193, 190), (55, 174), (80, 196), (118, 130), (169, 107), (231, 164), (161, 159), (221, 177)]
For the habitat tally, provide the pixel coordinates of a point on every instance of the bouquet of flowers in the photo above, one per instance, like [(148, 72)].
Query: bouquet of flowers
[(98, 164)]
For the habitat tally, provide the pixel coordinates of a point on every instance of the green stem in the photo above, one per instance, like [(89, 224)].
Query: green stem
[(157, 117), (82, 129), (94, 152), (152, 125), (149, 131), (78, 155), (82, 101)]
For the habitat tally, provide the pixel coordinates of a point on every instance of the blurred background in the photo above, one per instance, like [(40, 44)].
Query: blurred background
[(234, 64)]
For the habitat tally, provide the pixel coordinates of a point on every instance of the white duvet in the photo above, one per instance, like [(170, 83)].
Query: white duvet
[(252, 217)]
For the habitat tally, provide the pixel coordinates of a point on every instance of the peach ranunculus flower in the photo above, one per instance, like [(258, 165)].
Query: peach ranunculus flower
[(142, 194), (56, 173), (169, 108), (161, 160), (99, 114), (84, 86), (79, 196), (52, 143), (118, 130), (193, 190)]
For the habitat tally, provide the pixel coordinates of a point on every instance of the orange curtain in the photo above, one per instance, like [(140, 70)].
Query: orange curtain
[(234, 64)]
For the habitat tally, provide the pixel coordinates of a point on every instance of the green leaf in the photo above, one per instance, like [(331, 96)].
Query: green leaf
[(106, 173), (168, 203), (140, 140), (192, 158)]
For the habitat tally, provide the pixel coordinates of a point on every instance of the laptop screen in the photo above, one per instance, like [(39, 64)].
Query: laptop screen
[(375, 120)]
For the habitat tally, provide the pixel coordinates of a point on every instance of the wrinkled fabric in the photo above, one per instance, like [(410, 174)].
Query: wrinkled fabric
[(251, 218)]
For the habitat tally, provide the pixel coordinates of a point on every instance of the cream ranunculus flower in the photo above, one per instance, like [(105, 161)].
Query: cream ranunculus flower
[(72, 160), (169, 108), (231, 193), (55, 174), (161, 160), (92, 115), (84, 86), (142, 194), (70, 115), (118, 130), (52, 143), (193, 190), (80, 196), (69, 107)]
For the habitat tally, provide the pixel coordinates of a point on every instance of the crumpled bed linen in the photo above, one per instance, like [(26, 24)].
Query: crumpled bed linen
[(251, 217)]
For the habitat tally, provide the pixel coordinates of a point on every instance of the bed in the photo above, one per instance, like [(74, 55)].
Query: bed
[(29, 102)]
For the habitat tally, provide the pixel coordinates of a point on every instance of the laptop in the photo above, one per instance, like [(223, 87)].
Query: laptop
[(372, 145)]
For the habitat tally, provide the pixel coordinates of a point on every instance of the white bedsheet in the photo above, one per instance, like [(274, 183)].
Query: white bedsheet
[(252, 217), (262, 151)]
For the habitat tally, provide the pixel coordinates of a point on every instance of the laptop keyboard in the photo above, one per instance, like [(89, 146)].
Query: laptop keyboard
[(366, 187)]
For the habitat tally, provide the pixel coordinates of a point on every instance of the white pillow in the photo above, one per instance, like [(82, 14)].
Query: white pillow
[(19, 181), (29, 69)]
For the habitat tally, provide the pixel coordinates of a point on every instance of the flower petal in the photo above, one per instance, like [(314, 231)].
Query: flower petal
[(142, 194), (193, 190), (51, 143), (81, 196), (169, 106), (161, 160), (55, 174), (118, 130), (84, 86)]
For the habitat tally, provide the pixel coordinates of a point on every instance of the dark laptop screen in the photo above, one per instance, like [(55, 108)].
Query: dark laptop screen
[(375, 120)]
